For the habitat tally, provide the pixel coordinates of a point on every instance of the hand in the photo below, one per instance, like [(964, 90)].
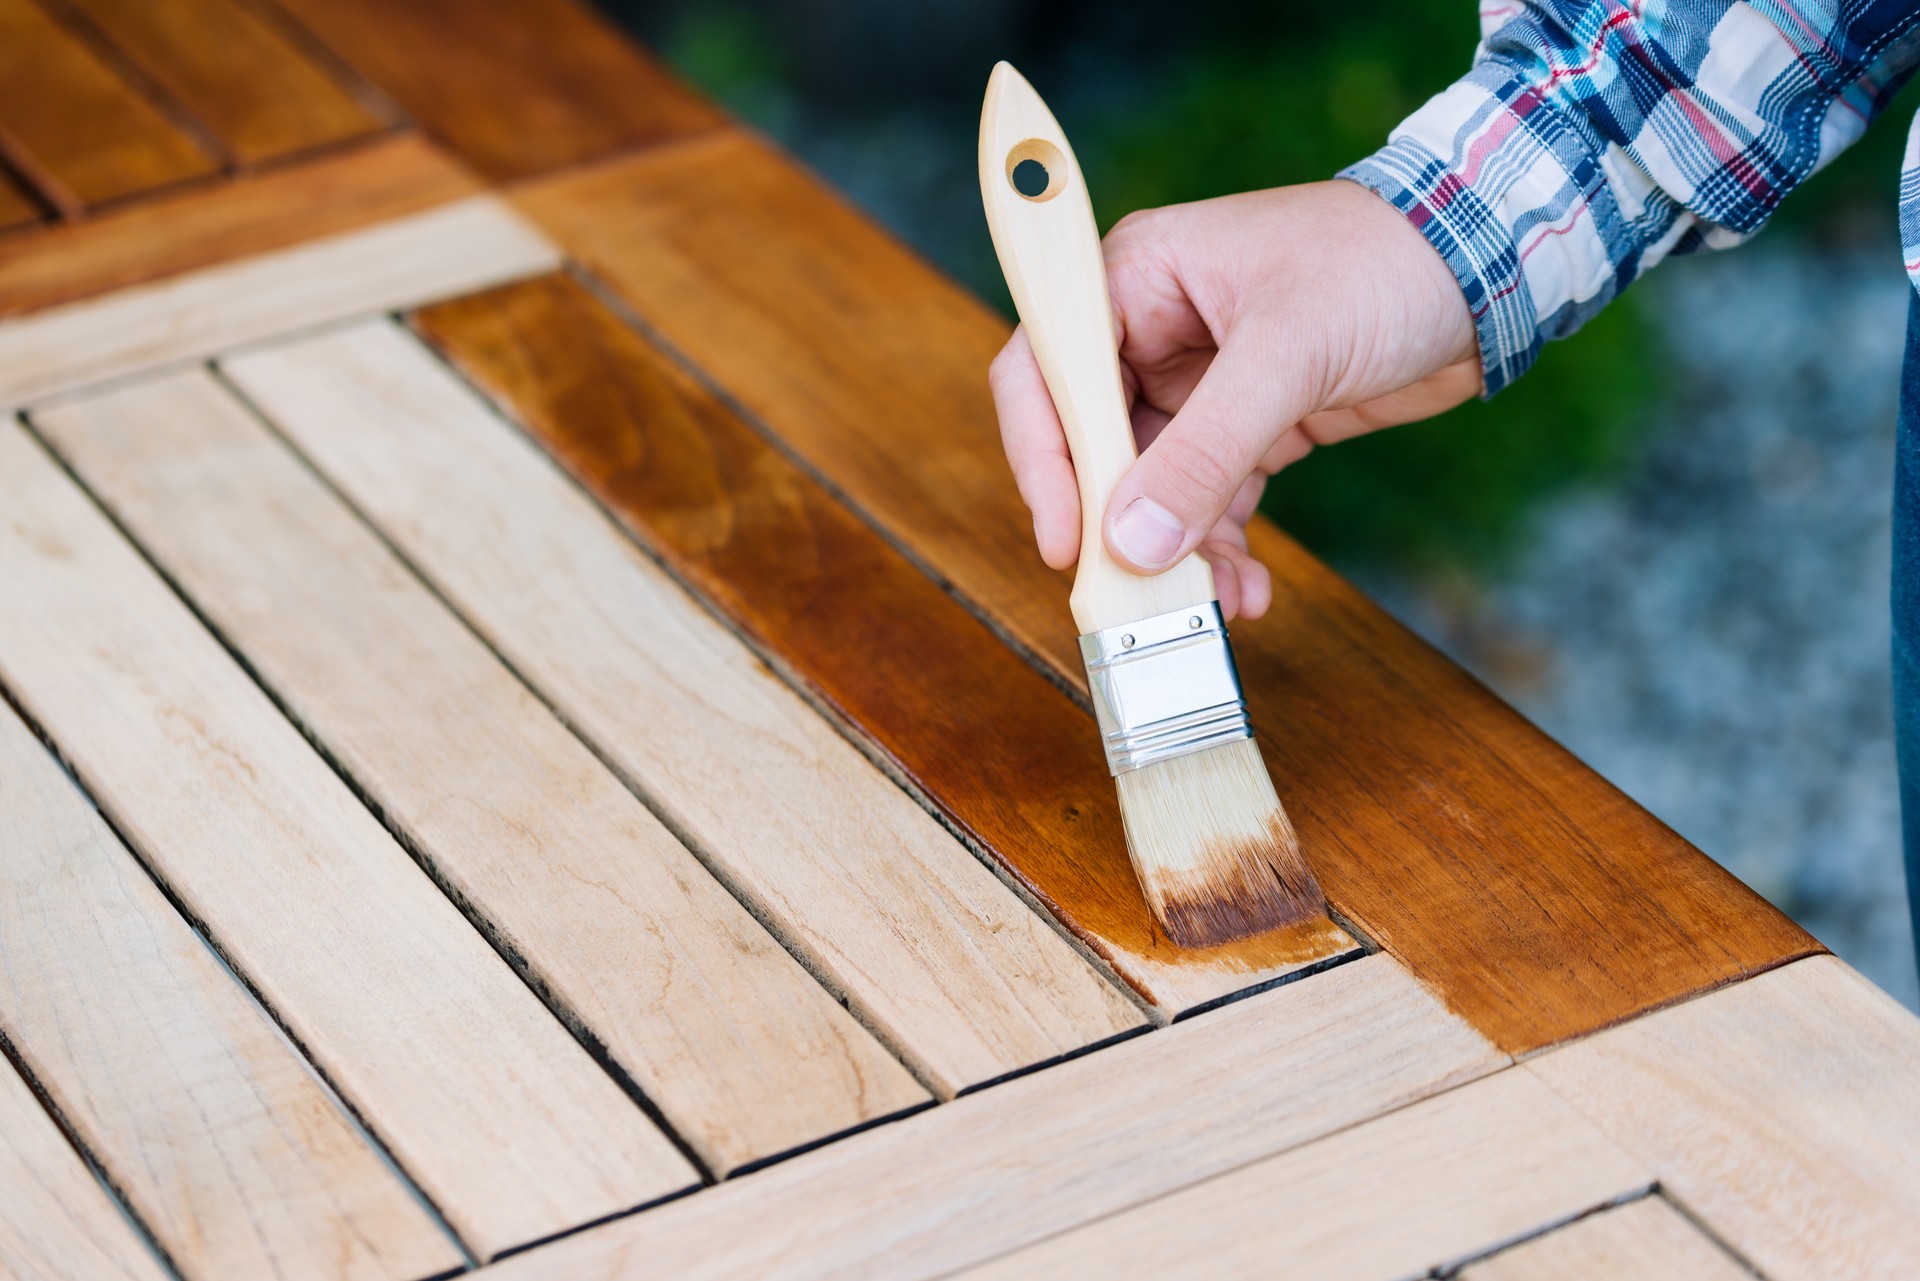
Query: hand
[(1251, 328)]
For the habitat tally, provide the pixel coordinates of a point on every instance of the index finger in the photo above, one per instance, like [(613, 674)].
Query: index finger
[(1036, 448)]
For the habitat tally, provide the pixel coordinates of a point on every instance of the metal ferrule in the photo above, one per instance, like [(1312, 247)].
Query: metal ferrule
[(1165, 687)]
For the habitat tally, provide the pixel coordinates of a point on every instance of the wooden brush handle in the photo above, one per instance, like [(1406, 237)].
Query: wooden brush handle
[(1049, 249)]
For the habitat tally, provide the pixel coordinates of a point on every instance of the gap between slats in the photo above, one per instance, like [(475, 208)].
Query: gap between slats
[(11, 1060), (251, 993), (567, 1017)]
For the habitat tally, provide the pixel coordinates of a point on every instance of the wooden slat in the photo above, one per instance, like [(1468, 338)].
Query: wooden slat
[(1646, 1240), (84, 135), (17, 211), (56, 1224), (484, 1099), (516, 88), (467, 245), (206, 1120), (1397, 1197), (204, 226), (1783, 1112), (258, 95), (944, 961), (1012, 1165), (849, 614), (745, 1054), (1536, 897)]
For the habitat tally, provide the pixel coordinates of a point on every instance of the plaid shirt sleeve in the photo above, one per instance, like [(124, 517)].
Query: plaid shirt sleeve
[(1592, 138)]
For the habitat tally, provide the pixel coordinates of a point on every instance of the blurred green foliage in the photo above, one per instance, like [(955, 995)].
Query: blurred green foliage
[(1244, 95)]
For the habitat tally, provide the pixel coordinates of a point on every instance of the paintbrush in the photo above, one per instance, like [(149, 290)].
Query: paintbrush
[(1216, 857)]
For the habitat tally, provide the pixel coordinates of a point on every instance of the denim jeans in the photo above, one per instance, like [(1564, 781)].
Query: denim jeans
[(1906, 606)]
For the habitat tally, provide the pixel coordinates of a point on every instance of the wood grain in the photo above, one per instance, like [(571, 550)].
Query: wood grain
[(459, 247), (82, 133), (517, 89), (484, 1099), (56, 1223), (210, 1125), (204, 226), (1783, 1112), (1540, 901), (1647, 1240), (880, 901), (1418, 1190), (1012, 1165), (742, 1051), (1003, 752), (234, 73)]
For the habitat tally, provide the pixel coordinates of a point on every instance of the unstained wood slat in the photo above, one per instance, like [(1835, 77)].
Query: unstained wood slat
[(1536, 897), (1782, 1112), (459, 247), (746, 1055), (206, 1120), (516, 89), (258, 95), (204, 226), (84, 134), (1415, 1191), (485, 1100), (1644, 1240), (1012, 1165), (947, 963), (1007, 755), (56, 1223)]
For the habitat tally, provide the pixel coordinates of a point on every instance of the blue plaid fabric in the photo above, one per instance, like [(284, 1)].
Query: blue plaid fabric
[(1592, 138)]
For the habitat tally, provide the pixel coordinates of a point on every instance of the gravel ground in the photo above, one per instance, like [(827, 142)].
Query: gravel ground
[(1710, 630)]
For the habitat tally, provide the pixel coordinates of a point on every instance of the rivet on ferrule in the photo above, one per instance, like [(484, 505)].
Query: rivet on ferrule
[(1165, 687)]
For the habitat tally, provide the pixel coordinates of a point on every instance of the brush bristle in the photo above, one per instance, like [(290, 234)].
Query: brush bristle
[(1214, 851)]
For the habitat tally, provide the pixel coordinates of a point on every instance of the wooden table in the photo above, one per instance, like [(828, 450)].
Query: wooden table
[(534, 733)]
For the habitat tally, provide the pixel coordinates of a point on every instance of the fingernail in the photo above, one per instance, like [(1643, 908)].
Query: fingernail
[(1147, 534)]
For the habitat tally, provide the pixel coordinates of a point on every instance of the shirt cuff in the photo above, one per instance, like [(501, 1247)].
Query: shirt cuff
[(1515, 198)]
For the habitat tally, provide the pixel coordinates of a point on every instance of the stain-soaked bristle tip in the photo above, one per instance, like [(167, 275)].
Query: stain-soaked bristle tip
[(1215, 854)]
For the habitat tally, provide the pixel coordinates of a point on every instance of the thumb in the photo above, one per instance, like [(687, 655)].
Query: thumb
[(1184, 480)]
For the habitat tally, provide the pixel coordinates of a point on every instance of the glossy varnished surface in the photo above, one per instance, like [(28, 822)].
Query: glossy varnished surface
[(1539, 900), (74, 127), (234, 72), (516, 89), (1003, 753)]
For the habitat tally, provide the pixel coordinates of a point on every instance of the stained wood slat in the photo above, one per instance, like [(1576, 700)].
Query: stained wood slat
[(1536, 897), (258, 95), (516, 89), (17, 210), (1400, 1196), (56, 1224), (484, 1099), (467, 245), (207, 1121), (745, 1054), (952, 969), (205, 226), (1783, 1112), (1012, 1165), (849, 614), (1647, 1240), (84, 134)]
